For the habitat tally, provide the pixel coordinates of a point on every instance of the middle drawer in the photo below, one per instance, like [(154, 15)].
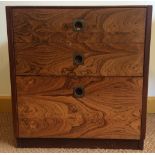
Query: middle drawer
[(97, 59)]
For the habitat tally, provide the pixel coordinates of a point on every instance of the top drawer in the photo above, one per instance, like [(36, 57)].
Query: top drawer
[(114, 25), (109, 40)]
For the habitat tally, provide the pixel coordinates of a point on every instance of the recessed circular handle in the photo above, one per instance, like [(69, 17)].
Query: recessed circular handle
[(78, 58), (78, 91), (78, 24)]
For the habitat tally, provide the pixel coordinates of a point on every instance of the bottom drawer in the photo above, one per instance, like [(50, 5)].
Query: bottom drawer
[(101, 107)]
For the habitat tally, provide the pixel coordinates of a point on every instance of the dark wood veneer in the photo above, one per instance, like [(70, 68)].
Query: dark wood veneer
[(39, 142)]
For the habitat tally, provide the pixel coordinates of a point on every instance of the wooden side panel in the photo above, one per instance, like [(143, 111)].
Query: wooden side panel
[(12, 69), (99, 59), (146, 70), (110, 108), (115, 25)]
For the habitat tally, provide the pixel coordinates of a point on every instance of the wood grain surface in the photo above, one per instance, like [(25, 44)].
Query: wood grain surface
[(110, 108), (115, 25), (99, 59)]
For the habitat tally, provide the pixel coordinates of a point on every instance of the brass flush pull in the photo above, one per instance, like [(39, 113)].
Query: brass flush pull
[(78, 24), (78, 92), (78, 59)]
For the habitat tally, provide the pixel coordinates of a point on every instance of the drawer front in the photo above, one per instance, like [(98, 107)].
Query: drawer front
[(110, 42), (80, 60), (85, 107), (114, 25)]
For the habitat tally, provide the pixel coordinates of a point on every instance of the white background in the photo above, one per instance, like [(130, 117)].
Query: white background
[(4, 60)]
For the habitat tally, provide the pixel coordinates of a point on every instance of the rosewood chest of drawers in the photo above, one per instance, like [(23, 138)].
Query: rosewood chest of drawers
[(79, 75)]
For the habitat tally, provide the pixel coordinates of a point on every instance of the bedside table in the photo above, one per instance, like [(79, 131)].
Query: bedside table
[(79, 75)]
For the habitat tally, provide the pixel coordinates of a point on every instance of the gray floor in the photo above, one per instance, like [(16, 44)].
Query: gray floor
[(6, 139)]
